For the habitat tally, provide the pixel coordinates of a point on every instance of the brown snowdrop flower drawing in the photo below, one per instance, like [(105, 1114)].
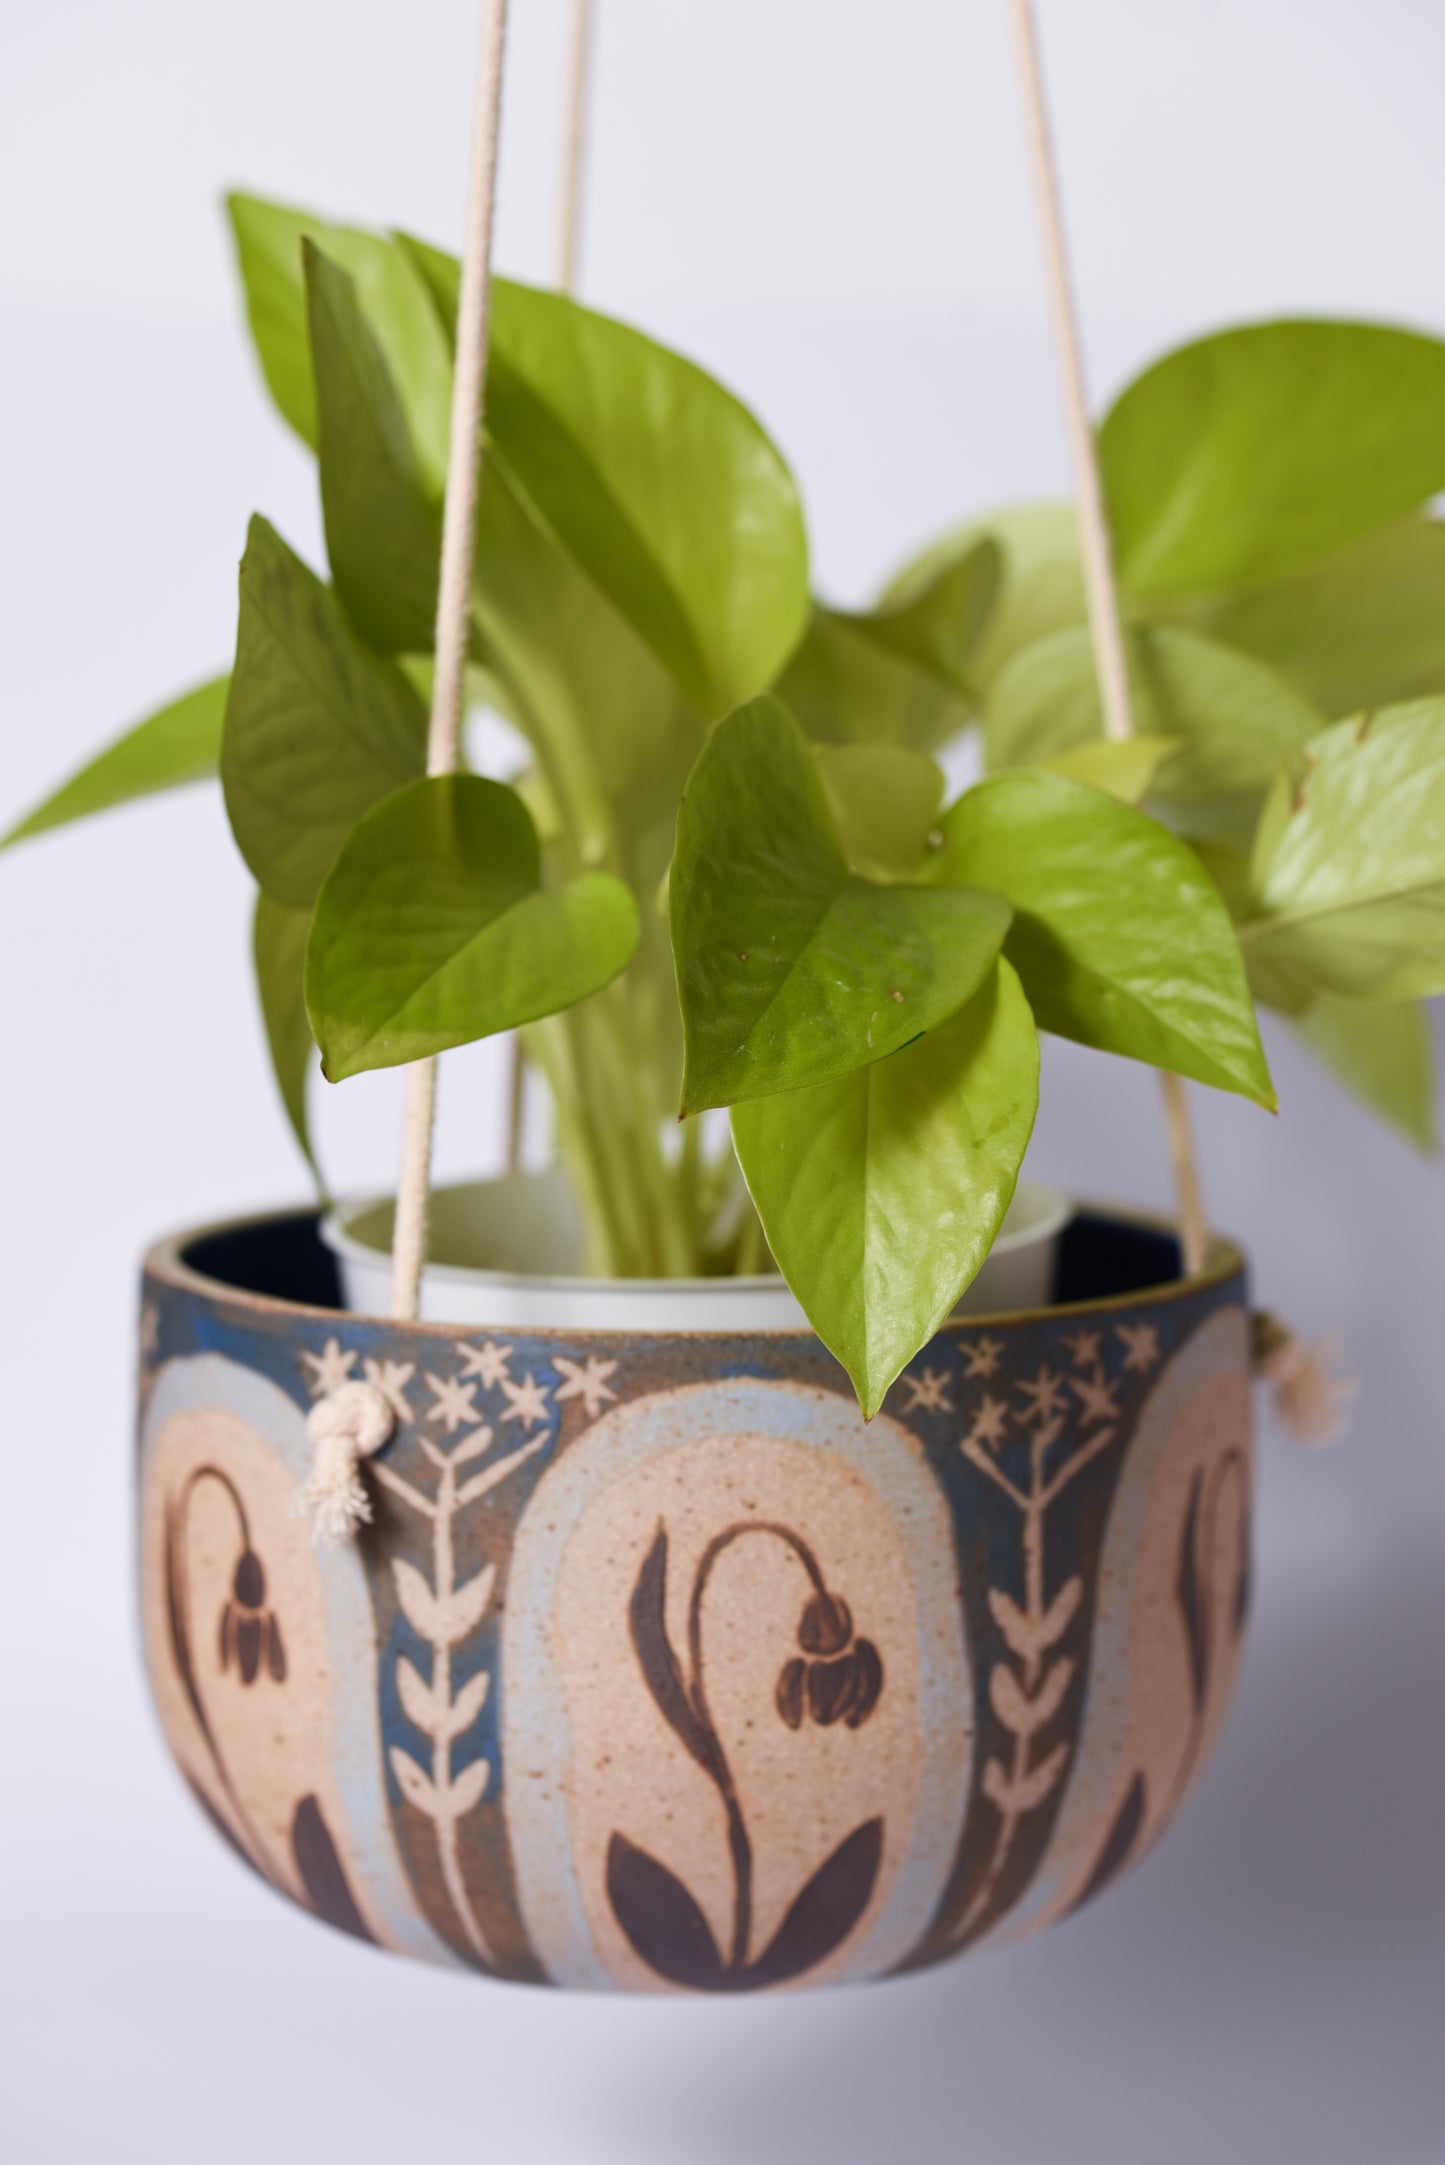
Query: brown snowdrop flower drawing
[(832, 1679), (250, 1633)]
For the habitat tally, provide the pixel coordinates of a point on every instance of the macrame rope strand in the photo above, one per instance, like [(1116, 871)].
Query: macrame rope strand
[(569, 248), (453, 592), (569, 237), (1105, 618)]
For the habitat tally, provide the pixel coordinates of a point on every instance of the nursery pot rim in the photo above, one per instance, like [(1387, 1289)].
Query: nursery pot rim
[(166, 1260), (334, 1228)]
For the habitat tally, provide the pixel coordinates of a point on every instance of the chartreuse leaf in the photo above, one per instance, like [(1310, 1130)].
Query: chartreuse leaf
[(659, 483), (182, 743), (1039, 587), (318, 727), (790, 969), (1364, 628), (278, 947), (395, 301), (1124, 766), (433, 929), (1258, 449), (383, 526), (881, 1194), (1119, 935), (1383, 1055), (885, 801), (1349, 861), (846, 688), (1232, 719), (900, 673)]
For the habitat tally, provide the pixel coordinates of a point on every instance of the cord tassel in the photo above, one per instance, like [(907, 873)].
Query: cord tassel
[(1313, 1400), (345, 1427)]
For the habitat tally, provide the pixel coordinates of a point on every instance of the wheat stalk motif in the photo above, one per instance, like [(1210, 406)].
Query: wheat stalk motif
[(443, 1614), (1027, 1694)]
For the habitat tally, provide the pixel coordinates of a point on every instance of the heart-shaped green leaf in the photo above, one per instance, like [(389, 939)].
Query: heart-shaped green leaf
[(1124, 766), (902, 673), (1349, 861), (1262, 448), (182, 743), (433, 929), (395, 300), (383, 526), (1119, 935), (318, 727), (881, 1194), (278, 948), (1384, 1056), (1364, 628), (790, 969), (1232, 718), (885, 801), (1039, 584), (658, 481)]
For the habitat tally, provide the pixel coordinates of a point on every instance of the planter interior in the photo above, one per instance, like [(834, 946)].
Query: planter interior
[(657, 1668)]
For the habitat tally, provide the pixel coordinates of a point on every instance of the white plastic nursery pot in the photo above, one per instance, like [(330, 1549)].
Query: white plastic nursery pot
[(507, 1254), (656, 1668)]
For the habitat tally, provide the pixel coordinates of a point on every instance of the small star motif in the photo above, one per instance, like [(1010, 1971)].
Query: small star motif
[(330, 1368), (528, 1402), (487, 1363), (929, 1393), (586, 1380), (1083, 1348), (989, 1423), (391, 1379), (982, 1357), (1141, 1343), (1096, 1399), (456, 1402), (150, 1330), (1045, 1395)]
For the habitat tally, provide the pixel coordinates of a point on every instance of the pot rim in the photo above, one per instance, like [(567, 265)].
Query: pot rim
[(334, 1230), (165, 1262)]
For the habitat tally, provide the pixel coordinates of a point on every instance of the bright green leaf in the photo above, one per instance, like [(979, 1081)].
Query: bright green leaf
[(383, 527), (433, 929), (790, 969), (1384, 1056), (1365, 628), (318, 727), (1039, 587), (659, 483), (1119, 934), (1233, 719), (885, 801), (395, 300), (846, 688), (1349, 860), (182, 743), (1258, 449), (278, 948), (881, 1194), (1123, 766)]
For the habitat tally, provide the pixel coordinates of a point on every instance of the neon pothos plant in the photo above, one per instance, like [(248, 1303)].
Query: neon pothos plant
[(727, 876)]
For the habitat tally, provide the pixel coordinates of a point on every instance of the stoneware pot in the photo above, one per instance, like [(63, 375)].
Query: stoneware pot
[(657, 1668)]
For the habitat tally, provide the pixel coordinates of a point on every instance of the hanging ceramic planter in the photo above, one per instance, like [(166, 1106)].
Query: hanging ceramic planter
[(668, 1624), (656, 1667)]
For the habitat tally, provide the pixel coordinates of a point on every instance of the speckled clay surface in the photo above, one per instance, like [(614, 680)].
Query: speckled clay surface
[(657, 1669)]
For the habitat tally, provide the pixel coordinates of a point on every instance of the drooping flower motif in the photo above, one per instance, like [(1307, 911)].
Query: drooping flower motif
[(836, 1677), (249, 1630)]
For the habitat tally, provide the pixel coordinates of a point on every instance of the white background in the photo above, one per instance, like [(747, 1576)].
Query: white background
[(826, 202)]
